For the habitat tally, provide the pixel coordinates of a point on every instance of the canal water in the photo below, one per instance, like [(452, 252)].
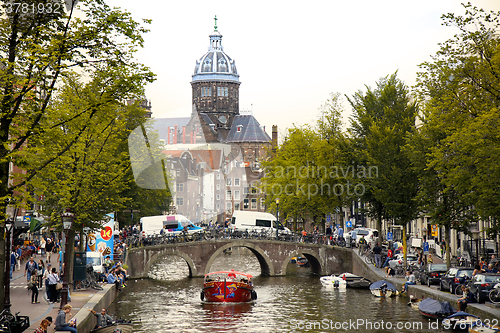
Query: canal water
[(170, 302)]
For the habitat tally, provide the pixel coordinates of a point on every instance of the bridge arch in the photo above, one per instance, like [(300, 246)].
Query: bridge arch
[(266, 266), (311, 256), (174, 252)]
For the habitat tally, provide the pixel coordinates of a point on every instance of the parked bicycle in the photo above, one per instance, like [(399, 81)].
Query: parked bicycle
[(495, 294), (458, 290)]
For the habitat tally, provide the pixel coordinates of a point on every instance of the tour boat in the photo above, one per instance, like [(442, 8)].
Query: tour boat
[(355, 281), (459, 321), (383, 289), (479, 327), (228, 286), (333, 282), (435, 309)]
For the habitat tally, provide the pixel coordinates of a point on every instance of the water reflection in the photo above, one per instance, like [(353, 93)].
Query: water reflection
[(170, 301)]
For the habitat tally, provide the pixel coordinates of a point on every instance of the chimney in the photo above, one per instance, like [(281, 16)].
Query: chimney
[(168, 135), (274, 138), (175, 134), (183, 134)]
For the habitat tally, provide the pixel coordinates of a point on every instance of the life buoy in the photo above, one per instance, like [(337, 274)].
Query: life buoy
[(202, 295)]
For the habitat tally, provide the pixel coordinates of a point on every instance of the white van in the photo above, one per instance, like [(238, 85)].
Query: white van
[(153, 225), (244, 220)]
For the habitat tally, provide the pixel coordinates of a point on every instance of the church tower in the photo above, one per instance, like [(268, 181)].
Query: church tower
[(215, 88)]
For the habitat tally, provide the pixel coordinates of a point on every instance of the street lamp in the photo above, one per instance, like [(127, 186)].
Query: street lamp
[(277, 215), (476, 235), (67, 219)]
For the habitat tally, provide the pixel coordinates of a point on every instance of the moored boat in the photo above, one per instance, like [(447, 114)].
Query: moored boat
[(459, 321), (228, 286), (383, 288), (414, 302), (355, 281), (302, 262), (332, 281), (479, 327), (435, 309)]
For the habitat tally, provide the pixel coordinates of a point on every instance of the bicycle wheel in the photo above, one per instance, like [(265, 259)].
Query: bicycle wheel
[(495, 296), (400, 271), (458, 290), (369, 259)]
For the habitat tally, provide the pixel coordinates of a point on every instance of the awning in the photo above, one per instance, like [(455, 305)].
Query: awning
[(36, 224)]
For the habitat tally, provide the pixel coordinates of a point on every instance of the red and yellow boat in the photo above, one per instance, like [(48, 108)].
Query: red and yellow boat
[(228, 286)]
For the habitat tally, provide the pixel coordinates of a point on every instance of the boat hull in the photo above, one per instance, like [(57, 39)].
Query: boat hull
[(484, 329), (123, 328), (227, 291), (333, 282), (355, 281), (380, 293)]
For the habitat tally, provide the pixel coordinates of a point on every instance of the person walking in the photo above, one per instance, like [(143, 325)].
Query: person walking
[(19, 252), (30, 269), (377, 251), (49, 247), (13, 260), (39, 273), (34, 289), (61, 324), (53, 280)]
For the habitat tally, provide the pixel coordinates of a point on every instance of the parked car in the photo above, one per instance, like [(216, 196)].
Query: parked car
[(455, 277), (432, 273), (481, 284), (371, 235), (398, 259)]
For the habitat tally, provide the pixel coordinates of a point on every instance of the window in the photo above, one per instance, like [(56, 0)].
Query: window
[(262, 202), (217, 197), (245, 203), (236, 195), (179, 187), (245, 190), (218, 176), (228, 206), (218, 187), (244, 178), (179, 201), (239, 128), (217, 207), (236, 182), (228, 181), (228, 195), (237, 206), (254, 203), (222, 91), (206, 91), (254, 190)]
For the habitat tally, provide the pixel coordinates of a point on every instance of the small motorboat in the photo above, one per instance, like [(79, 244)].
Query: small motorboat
[(332, 281), (228, 286), (435, 309), (120, 325), (480, 327), (383, 288), (302, 262), (355, 281), (414, 302), (459, 321)]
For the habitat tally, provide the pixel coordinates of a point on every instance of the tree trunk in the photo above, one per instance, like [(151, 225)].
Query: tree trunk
[(447, 239), (404, 247), (3, 254), (70, 252)]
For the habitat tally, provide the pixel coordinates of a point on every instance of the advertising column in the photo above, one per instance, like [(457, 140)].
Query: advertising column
[(102, 241)]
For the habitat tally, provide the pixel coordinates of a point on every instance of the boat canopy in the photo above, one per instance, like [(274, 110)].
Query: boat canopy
[(379, 284), (435, 307), (232, 274)]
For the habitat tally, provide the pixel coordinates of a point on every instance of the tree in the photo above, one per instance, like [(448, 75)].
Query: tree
[(383, 118), (459, 88), (36, 50)]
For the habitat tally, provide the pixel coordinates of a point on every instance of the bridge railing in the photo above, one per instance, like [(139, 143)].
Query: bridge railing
[(215, 234)]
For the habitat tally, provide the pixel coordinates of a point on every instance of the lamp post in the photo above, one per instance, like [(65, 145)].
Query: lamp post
[(277, 216), (476, 234), (67, 220)]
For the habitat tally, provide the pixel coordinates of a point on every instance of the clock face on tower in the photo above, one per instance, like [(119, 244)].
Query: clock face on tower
[(223, 119)]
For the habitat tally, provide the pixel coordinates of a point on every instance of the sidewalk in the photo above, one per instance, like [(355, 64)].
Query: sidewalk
[(20, 298)]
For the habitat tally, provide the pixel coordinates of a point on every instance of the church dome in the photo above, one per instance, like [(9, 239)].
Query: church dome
[(215, 65)]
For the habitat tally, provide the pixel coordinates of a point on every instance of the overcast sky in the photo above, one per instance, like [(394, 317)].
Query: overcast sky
[(290, 55)]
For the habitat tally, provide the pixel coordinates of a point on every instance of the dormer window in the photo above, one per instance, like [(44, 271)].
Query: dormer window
[(239, 128)]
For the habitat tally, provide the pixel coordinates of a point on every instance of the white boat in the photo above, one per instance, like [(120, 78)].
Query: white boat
[(332, 281), (479, 327), (355, 281)]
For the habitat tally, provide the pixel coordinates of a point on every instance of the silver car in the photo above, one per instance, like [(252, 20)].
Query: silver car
[(398, 260)]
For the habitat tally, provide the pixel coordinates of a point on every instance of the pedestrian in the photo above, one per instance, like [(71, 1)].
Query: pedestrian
[(39, 273), (46, 278), (44, 325), (429, 259), (362, 243), (43, 244), (53, 281), (13, 261), (33, 286), (377, 251), (31, 268), (61, 324), (48, 248), (19, 252)]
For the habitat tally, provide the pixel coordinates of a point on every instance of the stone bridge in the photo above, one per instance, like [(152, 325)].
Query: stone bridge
[(273, 256)]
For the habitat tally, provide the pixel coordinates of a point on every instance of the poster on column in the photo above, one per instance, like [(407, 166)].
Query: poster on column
[(102, 240)]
